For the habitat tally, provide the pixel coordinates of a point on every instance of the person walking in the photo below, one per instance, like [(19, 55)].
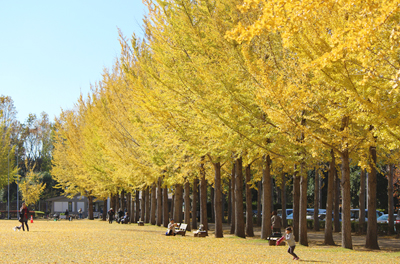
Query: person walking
[(24, 217), (110, 215), (80, 213)]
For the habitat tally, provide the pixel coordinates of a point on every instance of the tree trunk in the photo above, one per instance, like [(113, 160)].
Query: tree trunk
[(105, 210), (137, 207), (240, 226), (147, 204), (303, 206), (218, 201), (283, 199), (123, 203), (194, 203), (187, 205), (203, 197), (212, 204), (117, 206), (316, 200), (361, 220), (329, 202), (129, 205), (346, 199), (266, 200), (372, 226), (230, 201), (249, 209), (171, 211), (90, 201), (336, 217), (233, 211), (296, 206), (112, 202), (153, 205), (143, 206), (178, 203), (390, 200), (159, 202), (165, 207)]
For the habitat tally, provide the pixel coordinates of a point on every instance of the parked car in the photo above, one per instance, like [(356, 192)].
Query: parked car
[(322, 217), (355, 214), (288, 212), (384, 219), (310, 213)]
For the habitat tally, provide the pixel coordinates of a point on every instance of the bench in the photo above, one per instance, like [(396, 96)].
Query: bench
[(140, 223), (182, 230), (275, 237), (201, 232)]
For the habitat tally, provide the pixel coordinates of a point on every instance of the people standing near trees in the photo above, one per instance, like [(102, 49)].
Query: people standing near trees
[(276, 221), (80, 213), (110, 215)]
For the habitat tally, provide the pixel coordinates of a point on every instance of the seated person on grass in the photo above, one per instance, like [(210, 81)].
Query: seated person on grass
[(171, 228), (125, 219)]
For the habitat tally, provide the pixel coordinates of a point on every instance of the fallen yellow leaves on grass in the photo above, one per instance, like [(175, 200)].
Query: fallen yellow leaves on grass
[(84, 241)]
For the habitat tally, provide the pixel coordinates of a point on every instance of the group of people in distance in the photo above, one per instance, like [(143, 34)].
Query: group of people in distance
[(276, 222), (122, 217)]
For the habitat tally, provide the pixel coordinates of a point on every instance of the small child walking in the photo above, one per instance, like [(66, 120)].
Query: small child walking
[(290, 240)]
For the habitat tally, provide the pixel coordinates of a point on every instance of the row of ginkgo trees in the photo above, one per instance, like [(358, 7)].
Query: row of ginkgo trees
[(278, 87)]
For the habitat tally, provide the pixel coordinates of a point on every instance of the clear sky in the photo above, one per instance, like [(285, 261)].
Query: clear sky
[(51, 51)]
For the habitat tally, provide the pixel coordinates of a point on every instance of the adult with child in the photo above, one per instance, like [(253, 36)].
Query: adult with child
[(276, 221)]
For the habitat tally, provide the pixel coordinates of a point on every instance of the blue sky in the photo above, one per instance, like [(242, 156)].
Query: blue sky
[(51, 51)]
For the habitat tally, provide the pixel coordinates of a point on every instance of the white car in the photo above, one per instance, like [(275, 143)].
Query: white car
[(384, 219)]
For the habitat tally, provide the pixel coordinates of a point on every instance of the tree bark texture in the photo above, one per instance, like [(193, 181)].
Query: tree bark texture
[(212, 204), (117, 205), (296, 205), (137, 207), (143, 206), (218, 201), (194, 203), (129, 205), (283, 199), (259, 197), (153, 204), (346, 199), (147, 204), (203, 197), (249, 211), (159, 202), (266, 200), (105, 210), (303, 206), (230, 201), (336, 208), (233, 211), (390, 199), (178, 203), (187, 205), (316, 200), (112, 202), (123, 202), (165, 207), (240, 226), (361, 220), (329, 201), (372, 226), (90, 201)]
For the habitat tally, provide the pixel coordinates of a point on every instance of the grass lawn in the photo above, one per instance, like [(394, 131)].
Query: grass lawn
[(84, 241)]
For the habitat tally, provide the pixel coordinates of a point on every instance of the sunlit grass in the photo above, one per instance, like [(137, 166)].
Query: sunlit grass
[(99, 242)]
